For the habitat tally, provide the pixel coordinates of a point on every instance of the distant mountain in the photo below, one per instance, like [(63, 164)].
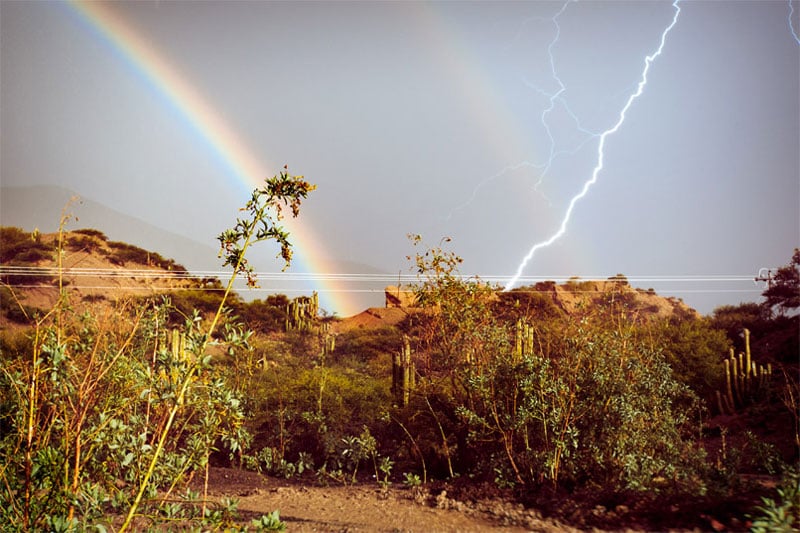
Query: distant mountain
[(40, 207), (17, 209)]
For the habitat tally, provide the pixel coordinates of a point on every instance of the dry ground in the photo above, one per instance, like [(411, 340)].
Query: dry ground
[(368, 508)]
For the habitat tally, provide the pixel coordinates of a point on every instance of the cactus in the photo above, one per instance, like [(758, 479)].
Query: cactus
[(301, 313), (403, 373), (178, 345), (523, 340), (744, 379), (328, 343)]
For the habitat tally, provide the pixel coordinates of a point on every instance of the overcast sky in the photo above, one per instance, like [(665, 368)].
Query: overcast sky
[(428, 118)]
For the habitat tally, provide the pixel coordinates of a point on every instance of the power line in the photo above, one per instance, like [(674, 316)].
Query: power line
[(281, 282), (352, 277)]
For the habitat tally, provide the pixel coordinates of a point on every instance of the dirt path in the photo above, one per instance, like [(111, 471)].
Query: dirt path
[(306, 508)]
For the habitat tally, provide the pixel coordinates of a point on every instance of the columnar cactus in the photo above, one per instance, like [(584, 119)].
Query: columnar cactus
[(301, 313), (744, 379), (403, 373), (523, 340)]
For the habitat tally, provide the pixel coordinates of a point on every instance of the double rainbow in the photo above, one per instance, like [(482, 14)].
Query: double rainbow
[(233, 152)]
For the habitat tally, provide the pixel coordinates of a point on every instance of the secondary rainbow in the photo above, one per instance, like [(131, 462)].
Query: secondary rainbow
[(232, 151)]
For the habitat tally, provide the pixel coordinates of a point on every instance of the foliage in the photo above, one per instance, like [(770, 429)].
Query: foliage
[(107, 413), (264, 316), (308, 407), (734, 319), (363, 345), (781, 513), (692, 348), (265, 210), (590, 403), (604, 412), (774, 337), (269, 522), (87, 408), (411, 480), (13, 309), (462, 330), (19, 246), (783, 291), (185, 302), (100, 410), (84, 242), (122, 253), (528, 303), (91, 233)]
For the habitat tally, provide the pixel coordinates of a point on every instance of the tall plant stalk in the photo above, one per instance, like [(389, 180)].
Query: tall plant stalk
[(265, 210)]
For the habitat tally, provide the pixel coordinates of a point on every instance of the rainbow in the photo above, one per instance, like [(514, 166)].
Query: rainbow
[(245, 168)]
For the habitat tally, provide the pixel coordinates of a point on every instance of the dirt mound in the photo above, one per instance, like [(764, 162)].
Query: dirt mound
[(372, 318), (93, 270), (576, 296)]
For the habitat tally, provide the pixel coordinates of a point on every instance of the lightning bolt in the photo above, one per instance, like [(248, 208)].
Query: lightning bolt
[(555, 99), (600, 153), (791, 26)]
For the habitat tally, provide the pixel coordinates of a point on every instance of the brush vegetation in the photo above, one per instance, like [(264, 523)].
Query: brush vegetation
[(112, 414)]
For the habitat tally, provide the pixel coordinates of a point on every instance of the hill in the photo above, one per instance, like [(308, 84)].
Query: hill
[(96, 268), (576, 296), (39, 207), (93, 269)]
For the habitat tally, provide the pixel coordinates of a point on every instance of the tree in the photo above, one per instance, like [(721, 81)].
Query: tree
[(783, 290)]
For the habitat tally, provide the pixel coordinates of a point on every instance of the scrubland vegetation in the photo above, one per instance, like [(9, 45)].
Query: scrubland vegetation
[(607, 415)]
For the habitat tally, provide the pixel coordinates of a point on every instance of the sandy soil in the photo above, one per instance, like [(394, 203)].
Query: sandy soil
[(367, 508)]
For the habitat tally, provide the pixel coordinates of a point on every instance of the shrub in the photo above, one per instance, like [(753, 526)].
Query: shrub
[(367, 344), (694, 350), (91, 233), (14, 310), (100, 411), (529, 303), (783, 512), (18, 246), (123, 253), (605, 412), (264, 316), (306, 406), (80, 242), (581, 403)]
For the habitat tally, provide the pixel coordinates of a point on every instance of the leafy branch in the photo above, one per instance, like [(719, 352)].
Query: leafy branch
[(265, 209)]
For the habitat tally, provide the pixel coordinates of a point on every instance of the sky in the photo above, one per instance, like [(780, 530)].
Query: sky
[(478, 121)]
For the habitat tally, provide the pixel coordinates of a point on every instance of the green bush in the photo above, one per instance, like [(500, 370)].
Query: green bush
[(781, 513), (604, 412), (581, 403), (693, 348), (110, 413), (91, 233), (364, 345), (264, 316), (304, 405), (20, 248), (83, 242), (184, 302), (123, 253), (93, 425)]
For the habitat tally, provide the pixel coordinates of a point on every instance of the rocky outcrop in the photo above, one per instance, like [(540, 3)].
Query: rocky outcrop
[(398, 297)]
